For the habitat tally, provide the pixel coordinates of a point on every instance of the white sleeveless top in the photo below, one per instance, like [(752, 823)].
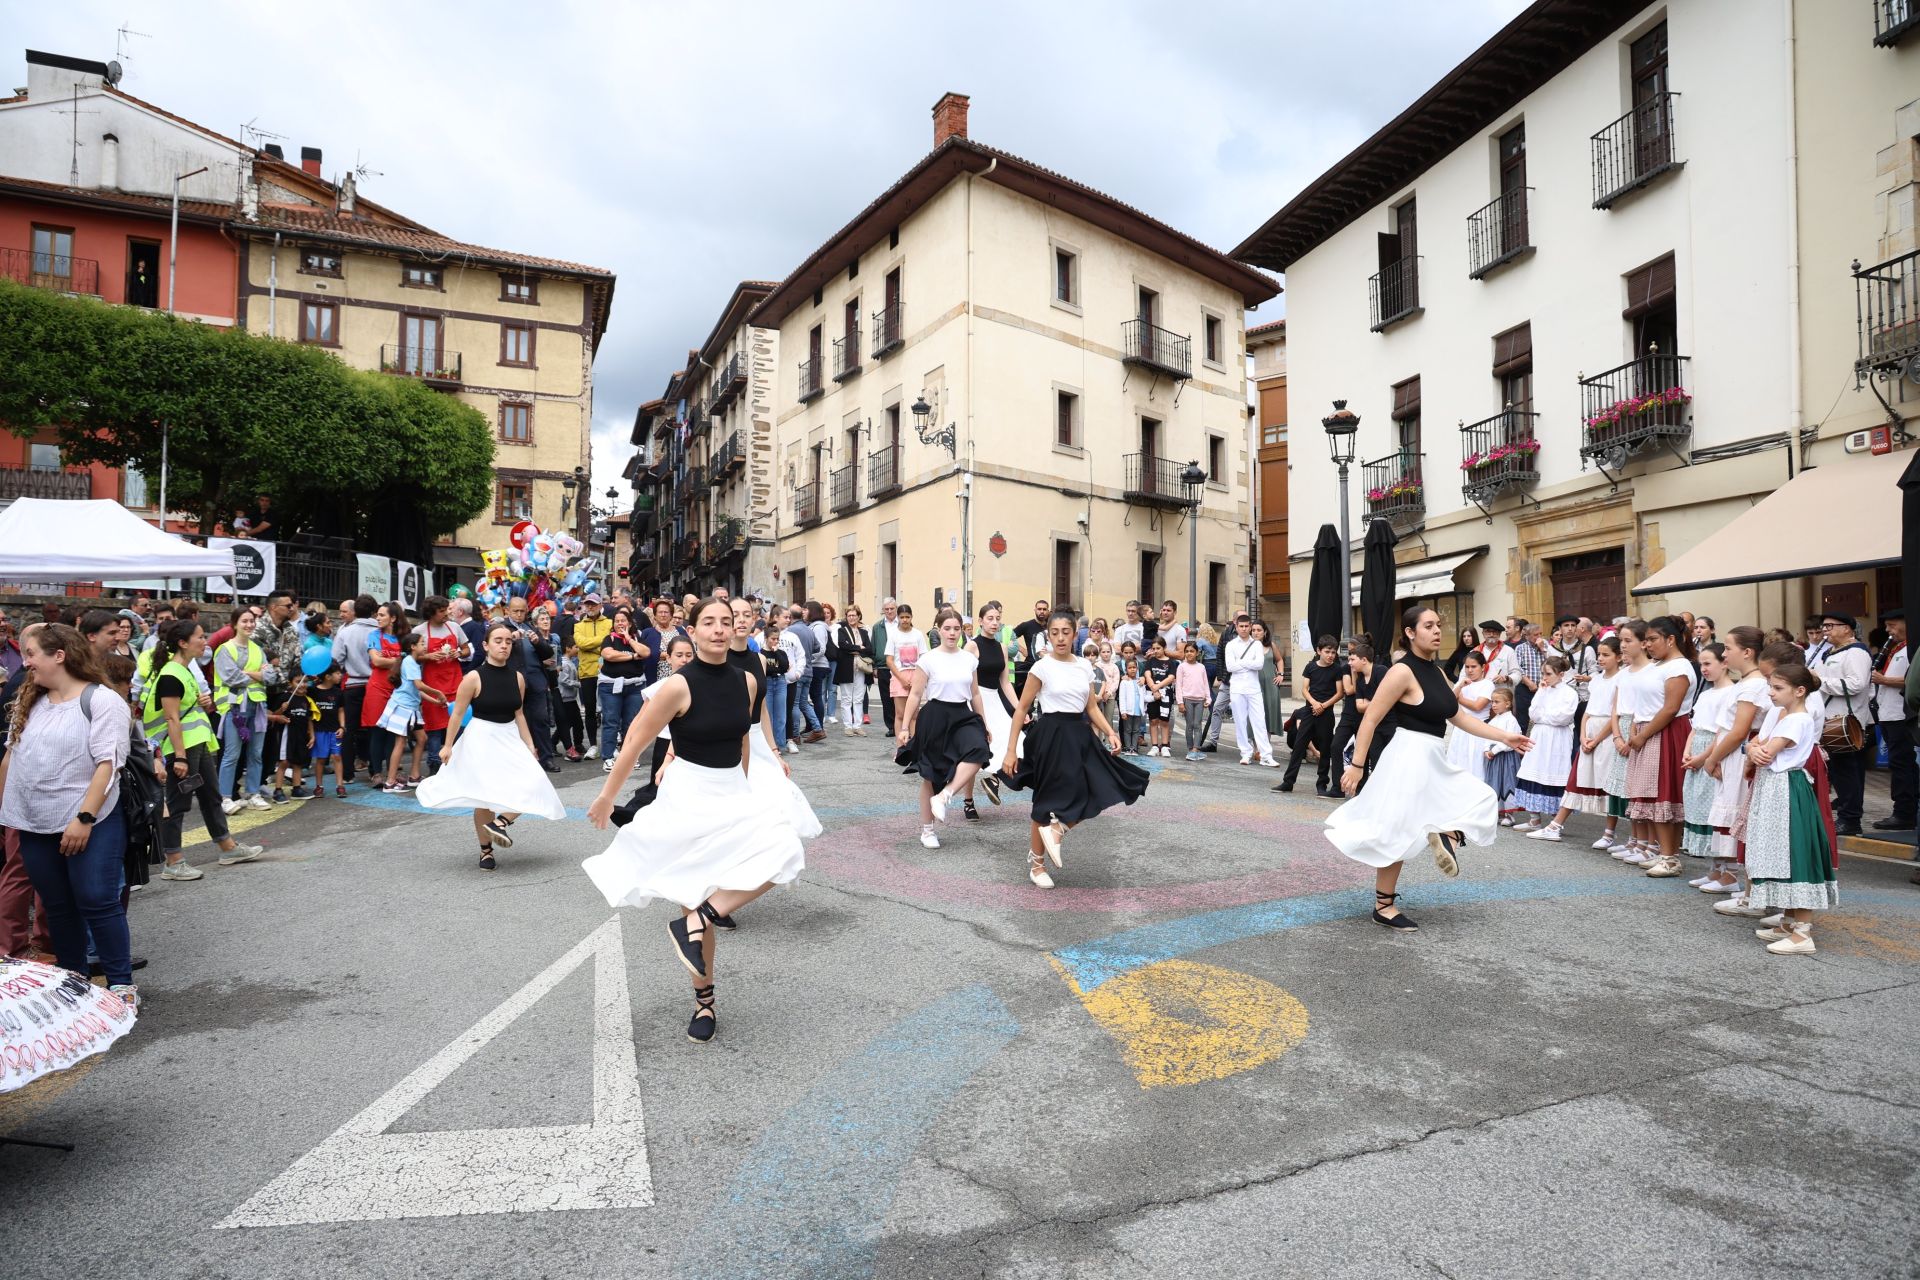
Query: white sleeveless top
[(1064, 686), (950, 676)]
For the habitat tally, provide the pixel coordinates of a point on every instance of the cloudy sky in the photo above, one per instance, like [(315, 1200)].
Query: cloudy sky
[(688, 146)]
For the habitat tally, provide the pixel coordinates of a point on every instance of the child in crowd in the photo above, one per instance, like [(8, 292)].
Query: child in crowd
[(1109, 683), (1698, 788), (273, 746), (296, 751), (1195, 692), (1587, 793), (1542, 781), (1741, 715), (1499, 762), (326, 699), (402, 717), (1790, 839), (1475, 693), (1133, 700), (1157, 673), (1635, 666), (571, 731)]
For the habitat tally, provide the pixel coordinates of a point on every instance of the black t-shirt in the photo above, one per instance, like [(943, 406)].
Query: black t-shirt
[(166, 686), (1322, 681), (299, 715), (1162, 670), (326, 709), (1362, 688), (1026, 634)]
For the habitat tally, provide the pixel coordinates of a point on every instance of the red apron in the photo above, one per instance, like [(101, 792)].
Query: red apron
[(380, 683), (444, 676)]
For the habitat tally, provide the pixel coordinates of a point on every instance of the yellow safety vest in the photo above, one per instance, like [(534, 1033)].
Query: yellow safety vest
[(195, 726), (223, 697)]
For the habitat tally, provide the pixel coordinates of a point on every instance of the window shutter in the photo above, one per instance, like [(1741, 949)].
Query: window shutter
[(1406, 399), (1649, 287), (1513, 350)]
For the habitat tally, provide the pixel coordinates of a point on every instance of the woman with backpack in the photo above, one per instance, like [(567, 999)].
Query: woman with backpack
[(60, 789)]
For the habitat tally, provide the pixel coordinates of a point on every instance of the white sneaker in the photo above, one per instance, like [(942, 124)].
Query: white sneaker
[(1269, 763), (928, 840), (1506, 822), (258, 801), (591, 753), (240, 853), (231, 807), (181, 870), (606, 766), (1548, 832), (793, 747)]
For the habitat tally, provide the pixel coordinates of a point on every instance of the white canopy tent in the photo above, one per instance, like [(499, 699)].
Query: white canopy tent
[(48, 540)]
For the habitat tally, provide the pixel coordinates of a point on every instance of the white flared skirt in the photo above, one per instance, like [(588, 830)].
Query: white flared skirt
[(1414, 791), (1465, 752), (774, 788), (492, 769), (708, 830), (999, 724)]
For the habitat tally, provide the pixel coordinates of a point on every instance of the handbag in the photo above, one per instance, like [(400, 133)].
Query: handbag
[(864, 665)]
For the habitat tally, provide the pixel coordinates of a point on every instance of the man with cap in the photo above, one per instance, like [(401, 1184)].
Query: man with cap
[(1845, 672), (1580, 666), (1889, 711), (1502, 667)]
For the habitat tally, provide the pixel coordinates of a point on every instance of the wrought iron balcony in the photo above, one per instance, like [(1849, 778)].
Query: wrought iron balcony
[(67, 484), (806, 503), (1639, 405), (1394, 293), (1498, 454), (729, 538), (1155, 482), (726, 459), (1161, 350), (729, 382), (883, 470), (697, 423), (1894, 21), (1395, 489), (1886, 299), (645, 552), (686, 552), (846, 357), (59, 272), (843, 488), (1498, 233), (1634, 150), (810, 385), (434, 367), (888, 333)]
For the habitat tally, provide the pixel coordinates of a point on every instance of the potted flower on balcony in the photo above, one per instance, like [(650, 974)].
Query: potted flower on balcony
[(1624, 418), (1398, 493)]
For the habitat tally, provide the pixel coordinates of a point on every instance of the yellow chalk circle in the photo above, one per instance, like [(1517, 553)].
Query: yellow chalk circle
[(1178, 1022)]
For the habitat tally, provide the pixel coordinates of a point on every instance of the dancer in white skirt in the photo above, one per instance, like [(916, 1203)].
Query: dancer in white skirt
[(771, 775), (708, 843), (1414, 796), (997, 696), (497, 770)]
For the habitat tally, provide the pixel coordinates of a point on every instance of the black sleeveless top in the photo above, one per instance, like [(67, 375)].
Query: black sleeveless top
[(748, 661), (499, 696), (708, 732), (1438, 704), (993, 665)]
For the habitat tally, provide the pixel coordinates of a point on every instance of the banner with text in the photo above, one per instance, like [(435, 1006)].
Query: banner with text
[(376, 577), (253, 566)]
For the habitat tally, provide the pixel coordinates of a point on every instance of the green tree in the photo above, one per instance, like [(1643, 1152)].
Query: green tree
[(380, 460)]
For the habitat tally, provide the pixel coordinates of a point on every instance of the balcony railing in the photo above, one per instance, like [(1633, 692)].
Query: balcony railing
[(45, 482), (686, 552), (729, 538), (843, 488), (806, 503), (1394, 292), (1894, 20), (1886, 299), (846, 357), (1497, 454), (1161, 350), (888, 334), (429, 364), (724, 460), (883, 470), (1498, 233), (729, 382), (1154, 481), (1634, 150), (810, 385), (56, 271), (1395, 489), (1627, 410)]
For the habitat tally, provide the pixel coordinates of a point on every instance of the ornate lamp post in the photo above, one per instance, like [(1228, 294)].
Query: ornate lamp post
[(1194, 477), (1343, 429)]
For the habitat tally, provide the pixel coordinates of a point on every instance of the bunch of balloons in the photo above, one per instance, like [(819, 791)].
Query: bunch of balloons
[(538, 566)]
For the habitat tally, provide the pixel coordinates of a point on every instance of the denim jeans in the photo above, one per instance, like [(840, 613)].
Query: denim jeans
[(825, 679), (232, 749), (819, 697), (617, 711), (81, 895), (777, 710), (436, 739), (805, 709)]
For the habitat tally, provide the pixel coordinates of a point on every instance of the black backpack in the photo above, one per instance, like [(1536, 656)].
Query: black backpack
[(142, 799)]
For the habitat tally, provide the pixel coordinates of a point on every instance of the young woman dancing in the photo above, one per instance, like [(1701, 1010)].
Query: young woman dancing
[(997, 697), (709, 843), (942, 721), (496, 770), (1415, 795), (1072, 774)]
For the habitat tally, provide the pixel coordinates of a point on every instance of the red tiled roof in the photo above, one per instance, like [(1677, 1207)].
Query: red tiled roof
[(1272, 326), (161, 206), (321, 223)]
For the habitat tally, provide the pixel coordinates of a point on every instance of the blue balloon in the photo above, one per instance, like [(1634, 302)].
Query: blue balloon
[(315, 661)]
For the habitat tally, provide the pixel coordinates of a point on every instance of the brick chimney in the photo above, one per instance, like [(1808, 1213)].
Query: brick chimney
[(949, 118), (310, 160)]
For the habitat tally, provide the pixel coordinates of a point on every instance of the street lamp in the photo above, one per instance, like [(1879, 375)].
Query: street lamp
[(924, 428), (1343, 428), (1193, 477), (578, 480)]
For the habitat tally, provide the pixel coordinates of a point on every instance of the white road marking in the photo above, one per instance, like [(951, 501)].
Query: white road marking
[(361, 1172)]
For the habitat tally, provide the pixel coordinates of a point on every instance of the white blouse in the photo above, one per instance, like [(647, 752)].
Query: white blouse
[(1064, 686), (1797, 728), (1601, 691), (950, 676)]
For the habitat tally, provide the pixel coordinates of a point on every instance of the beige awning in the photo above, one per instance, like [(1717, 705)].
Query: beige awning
[(1422, 577), (1840, 515)]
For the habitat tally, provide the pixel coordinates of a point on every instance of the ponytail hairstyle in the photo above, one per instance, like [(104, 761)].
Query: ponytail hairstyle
[(171, 637), (1410, 620), (1612, 644), (1676, 631), (1749, 638), (1797, 675), (76, 655), (1717, 649), (1636, 627)]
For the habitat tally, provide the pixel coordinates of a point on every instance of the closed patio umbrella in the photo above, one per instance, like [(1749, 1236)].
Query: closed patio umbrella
[(1910, 548), (1377, 586), (1327, 588)]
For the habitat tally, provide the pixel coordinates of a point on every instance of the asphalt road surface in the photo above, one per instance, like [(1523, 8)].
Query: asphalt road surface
[(362, 1056)]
